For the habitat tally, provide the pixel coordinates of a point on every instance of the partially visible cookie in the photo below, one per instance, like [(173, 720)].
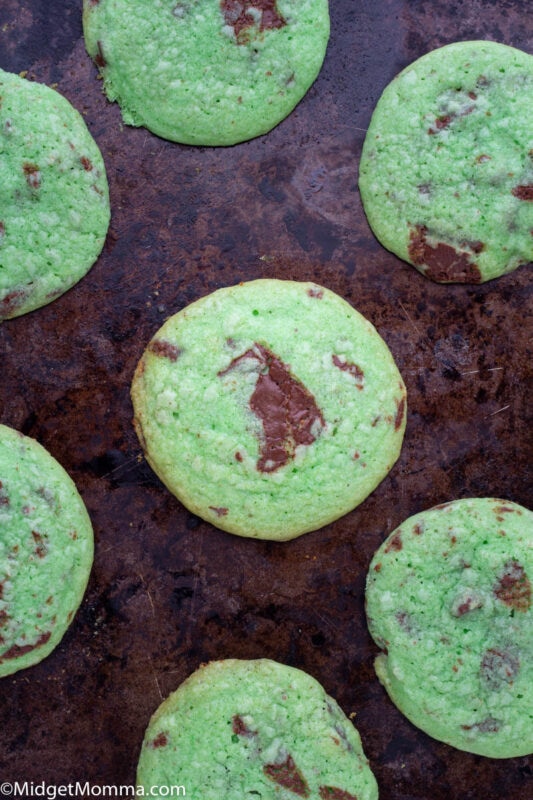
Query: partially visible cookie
[(206, 72), (54, 203), (46, 551), (446, 171), (449, 602), (269, 408), (237, 729)]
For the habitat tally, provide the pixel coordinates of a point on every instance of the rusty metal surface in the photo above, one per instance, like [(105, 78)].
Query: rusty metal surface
[(168, 591)]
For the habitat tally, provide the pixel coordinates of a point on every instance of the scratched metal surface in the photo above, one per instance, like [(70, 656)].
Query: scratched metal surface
[(168, 591)]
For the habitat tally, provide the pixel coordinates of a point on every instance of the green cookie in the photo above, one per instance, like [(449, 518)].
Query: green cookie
[(449, 602), (269, 408), (248, 729), (46, 551), (206, 72), (54, 204), (446, 172)]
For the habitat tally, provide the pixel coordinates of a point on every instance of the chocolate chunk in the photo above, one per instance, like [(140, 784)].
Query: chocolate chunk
[(287, 775), (353, 369), (160, 740), (33, 175), (160, 347), (333, 793), (489, 725), (239, 726), (442, 262), (287, 410), (398, 419), (524, 191), (514, 587), (220, 511), (498, 668), (40, 547), (238, 15), (395, 543), (18, 650)]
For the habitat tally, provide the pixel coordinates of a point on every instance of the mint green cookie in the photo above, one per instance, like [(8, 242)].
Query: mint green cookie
[(54, 204), (449, 602), (46, 551), (247, 729), (206, 72), (446, 171), (269, 408)]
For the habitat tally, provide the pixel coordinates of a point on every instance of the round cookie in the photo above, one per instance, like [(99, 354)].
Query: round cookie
[(46, 551), (446, 171), (206, 72), (54, 204), (449, 603), (254, 729), (269, 408)]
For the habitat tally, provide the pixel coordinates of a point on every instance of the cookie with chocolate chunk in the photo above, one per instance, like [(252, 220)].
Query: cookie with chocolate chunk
[(449, 602), (446, 171), (206, 72), (54, 203), (46, 551), (239, 728), (269, 408)]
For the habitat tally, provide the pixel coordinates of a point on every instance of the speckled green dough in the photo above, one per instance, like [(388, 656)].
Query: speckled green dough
[(54, 204), (178, 68), (247, 729), (46, 551), (449, 602), (193, 393), (446, 172)]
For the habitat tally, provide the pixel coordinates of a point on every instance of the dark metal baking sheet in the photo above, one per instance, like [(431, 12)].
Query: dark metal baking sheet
[(168, 591)]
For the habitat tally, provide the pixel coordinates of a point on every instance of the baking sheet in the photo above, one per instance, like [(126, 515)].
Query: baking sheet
[(168, 591)]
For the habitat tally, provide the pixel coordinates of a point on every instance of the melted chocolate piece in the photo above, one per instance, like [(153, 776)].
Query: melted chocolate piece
[(161, 347), (11, 301), (353, 369), (524, 191), (33, 175), (220, 511), (489, 725), (446, 120), (40, 546), (287, 410), (237, 16), (498, 668), (239, 726), (288, 775), (20, 650), (99, 58), (160, 740), (398, 419), (514, 587), (86, 163), (333, 793), (442, 262), (395, 543)]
